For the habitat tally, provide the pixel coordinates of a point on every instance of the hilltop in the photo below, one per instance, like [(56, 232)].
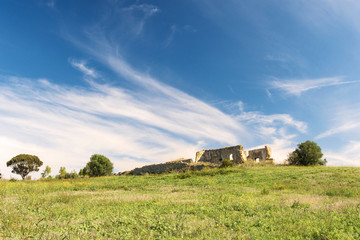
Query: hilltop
[(242, 202)]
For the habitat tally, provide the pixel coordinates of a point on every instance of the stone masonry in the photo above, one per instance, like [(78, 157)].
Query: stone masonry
[(235, 154), (262, 154)]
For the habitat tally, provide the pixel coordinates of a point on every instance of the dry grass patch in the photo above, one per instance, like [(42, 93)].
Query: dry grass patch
[(315, 201)]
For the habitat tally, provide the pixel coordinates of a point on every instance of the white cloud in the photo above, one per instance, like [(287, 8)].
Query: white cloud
[(81, 66), (240, 105), (137, 14), (274, 119), (347, 156), (339, 129), (276, 131), (297, 87), (169, 39), (147, 9), (324, 14)]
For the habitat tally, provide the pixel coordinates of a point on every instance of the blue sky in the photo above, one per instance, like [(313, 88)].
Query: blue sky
[(150, 81)]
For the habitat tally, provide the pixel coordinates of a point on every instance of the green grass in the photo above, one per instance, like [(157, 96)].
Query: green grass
[(244, 202)]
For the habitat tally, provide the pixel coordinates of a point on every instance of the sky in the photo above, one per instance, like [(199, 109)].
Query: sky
[(145, 82)]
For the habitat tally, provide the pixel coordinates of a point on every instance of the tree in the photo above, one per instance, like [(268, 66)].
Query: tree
[(307, 154), (23, 164), (98, 165), (82, 172), (46, 172), (62, 171)]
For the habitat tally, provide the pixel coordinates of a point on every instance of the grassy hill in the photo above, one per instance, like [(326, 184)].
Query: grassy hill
[(244, 202)]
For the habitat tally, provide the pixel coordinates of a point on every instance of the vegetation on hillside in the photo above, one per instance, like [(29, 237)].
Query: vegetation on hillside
[(241, 202)]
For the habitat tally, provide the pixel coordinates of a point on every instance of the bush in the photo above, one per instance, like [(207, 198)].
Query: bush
[(307, 154), (65, 175), (98, 165), (226, 163), (73, 174)]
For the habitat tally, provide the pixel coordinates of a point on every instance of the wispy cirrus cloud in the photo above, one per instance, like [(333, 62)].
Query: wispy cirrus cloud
[(272, 120), (66, 125), (137, 14), (339, 129), (81, 66), (324, 14), (147, 9), (298, 86), (345, 156)]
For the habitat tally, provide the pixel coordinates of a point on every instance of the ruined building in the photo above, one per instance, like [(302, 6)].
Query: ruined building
[(207, 158), (262, 154), (235, 153)]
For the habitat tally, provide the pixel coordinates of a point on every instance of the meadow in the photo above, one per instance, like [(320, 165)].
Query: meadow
[(242, 202)]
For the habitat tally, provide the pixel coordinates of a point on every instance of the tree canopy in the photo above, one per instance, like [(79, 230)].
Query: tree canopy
[(98, 165), (307, 154), (46, 172), (62, 171), (23, 164)]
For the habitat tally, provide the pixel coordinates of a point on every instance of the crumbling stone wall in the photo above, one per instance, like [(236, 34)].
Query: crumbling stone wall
[(263, 154), (216, 156), (159, 168), (181, 160)]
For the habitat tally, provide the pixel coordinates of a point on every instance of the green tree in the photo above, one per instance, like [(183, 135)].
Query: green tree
[(46, 172), (23, 164), (306, 154), (82, 172), (98, 165), (62, 171)]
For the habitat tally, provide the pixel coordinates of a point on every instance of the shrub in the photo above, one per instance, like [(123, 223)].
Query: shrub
[(66, 175), (73, 174), (226, 163)]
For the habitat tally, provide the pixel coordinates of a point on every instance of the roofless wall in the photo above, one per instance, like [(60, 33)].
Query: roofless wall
[(234, 153)]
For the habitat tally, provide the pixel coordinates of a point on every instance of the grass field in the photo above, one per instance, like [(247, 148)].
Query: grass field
[(244, 202)]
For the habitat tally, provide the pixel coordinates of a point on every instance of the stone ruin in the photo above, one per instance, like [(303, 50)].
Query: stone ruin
[(262, 154), (235, 153), (208, 158)]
